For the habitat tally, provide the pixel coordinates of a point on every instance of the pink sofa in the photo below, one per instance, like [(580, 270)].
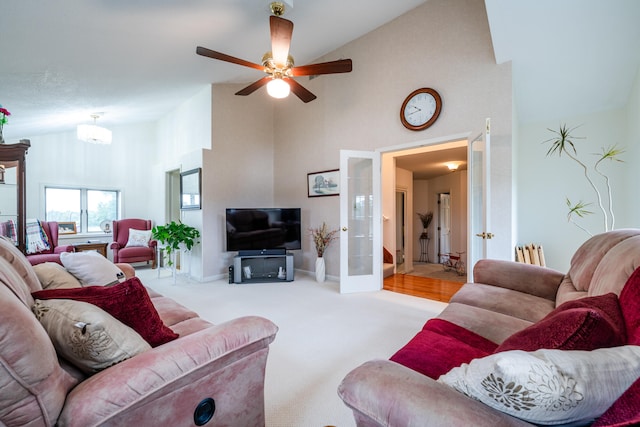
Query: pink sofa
[(209, 369), (50, 255), (514, 311)]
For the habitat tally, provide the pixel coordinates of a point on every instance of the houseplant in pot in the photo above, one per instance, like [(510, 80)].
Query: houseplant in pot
[(175, 236), (322, 237)]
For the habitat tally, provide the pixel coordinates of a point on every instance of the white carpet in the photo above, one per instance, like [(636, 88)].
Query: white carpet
[(323, 335)]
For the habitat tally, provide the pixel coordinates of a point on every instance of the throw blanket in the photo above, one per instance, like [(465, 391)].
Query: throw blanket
[(37, 240), (8, 230)]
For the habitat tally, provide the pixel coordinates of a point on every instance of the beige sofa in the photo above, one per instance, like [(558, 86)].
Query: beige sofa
[(209, 375), (430, 381)]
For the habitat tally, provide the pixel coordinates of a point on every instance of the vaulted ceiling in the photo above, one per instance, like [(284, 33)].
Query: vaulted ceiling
[(135, 60)]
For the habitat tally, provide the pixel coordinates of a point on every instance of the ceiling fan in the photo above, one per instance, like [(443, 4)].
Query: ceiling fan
[(278, 64)]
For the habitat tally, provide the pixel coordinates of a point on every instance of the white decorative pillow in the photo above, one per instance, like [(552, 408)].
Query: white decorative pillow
[(53, 276), (549, 386), (138, 238), (87, 336), (91, 268)]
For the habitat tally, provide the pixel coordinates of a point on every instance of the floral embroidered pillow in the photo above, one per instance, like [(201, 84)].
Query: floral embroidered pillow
[(138, 238), (86, 335), (549, 386)]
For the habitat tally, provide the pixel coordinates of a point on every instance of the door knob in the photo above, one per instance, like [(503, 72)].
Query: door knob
[(486, 235), (344, 228)]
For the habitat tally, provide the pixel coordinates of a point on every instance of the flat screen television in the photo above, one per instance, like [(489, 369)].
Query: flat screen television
[(263, 229)]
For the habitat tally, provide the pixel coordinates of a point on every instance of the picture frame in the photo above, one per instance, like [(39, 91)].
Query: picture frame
[(191, 189), (323, 183), (68, 227)]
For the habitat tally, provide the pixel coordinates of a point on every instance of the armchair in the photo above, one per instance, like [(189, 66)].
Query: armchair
[(123, 253), (53, 254)]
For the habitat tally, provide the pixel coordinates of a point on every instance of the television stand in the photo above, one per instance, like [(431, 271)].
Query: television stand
[(256, 268)]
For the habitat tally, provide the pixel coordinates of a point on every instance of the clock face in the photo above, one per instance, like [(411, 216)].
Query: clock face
[(421, 109)]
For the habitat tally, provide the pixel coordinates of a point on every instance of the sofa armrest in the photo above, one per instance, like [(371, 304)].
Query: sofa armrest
[(531, 279), (63, 248), (384, 393), (115, 245), (225, 362)]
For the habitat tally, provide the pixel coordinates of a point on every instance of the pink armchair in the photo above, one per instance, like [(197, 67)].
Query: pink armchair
[(50, 255), (130, 254)]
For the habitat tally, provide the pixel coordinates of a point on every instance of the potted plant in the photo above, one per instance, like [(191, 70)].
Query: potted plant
[(565, 143), (322, 237), (175, 236), (426, 219)]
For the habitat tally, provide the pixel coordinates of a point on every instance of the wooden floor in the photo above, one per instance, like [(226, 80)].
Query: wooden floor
[(423, 287)]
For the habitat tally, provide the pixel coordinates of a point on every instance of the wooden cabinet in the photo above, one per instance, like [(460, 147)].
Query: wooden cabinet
[(13, 204)]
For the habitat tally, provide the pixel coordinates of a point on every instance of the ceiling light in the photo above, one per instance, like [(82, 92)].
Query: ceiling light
[(278, 88), (452, 166), (93, 133)]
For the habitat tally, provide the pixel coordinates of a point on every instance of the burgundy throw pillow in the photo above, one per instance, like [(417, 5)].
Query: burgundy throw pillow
[(630, 306), (440, 347), (625, 411), (583, 324), (128, 302)]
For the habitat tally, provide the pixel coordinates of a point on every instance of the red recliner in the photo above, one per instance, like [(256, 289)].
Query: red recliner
[(132, 254), (52, 254)]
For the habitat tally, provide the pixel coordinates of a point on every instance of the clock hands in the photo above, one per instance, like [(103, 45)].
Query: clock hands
[(417, 110)]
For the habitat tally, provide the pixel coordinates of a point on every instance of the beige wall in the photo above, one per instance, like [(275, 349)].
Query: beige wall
[(441, 44), (239, 167)]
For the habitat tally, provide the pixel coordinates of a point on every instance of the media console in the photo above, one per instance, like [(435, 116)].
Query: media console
[(263, 266)]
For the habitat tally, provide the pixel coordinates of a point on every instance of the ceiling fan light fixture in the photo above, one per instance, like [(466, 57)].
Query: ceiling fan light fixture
[(278, 88), (277, 8)]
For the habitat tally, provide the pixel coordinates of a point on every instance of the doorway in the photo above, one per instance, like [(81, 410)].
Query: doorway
[(444, 225), (434, 171), (172, 205), (172, 208), (401, 229)]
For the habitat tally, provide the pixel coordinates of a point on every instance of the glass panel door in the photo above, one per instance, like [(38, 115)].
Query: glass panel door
[(479, 197), (360, 219)]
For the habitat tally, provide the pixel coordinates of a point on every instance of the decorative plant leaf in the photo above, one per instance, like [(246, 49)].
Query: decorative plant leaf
[(578, 209), (563, 142), (175, 234)]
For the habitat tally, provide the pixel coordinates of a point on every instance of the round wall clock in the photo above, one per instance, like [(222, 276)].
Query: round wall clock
[(421, 109)]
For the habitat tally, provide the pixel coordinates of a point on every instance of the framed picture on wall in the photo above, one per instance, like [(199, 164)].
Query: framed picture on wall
[(324, 183), (190, 189), (67, 227)]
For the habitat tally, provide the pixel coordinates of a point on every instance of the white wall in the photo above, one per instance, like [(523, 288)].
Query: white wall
[(60, 159), (544, 183), (632, 178), (183, 135)]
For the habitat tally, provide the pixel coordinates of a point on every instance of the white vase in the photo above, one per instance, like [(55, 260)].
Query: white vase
[(320, 269)]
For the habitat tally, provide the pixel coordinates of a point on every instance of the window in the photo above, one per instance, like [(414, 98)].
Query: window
[(88, 208)]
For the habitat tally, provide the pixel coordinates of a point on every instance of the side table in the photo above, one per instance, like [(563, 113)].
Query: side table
[(424, 249), (100, 247)]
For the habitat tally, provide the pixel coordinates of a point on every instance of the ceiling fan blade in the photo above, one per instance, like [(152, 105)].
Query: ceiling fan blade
[(300, 91), (332, 67), (254, 86), (281, 32), (227, 58)]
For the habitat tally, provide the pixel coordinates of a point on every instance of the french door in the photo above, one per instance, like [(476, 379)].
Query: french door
[(360, 221), (478, 175)]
